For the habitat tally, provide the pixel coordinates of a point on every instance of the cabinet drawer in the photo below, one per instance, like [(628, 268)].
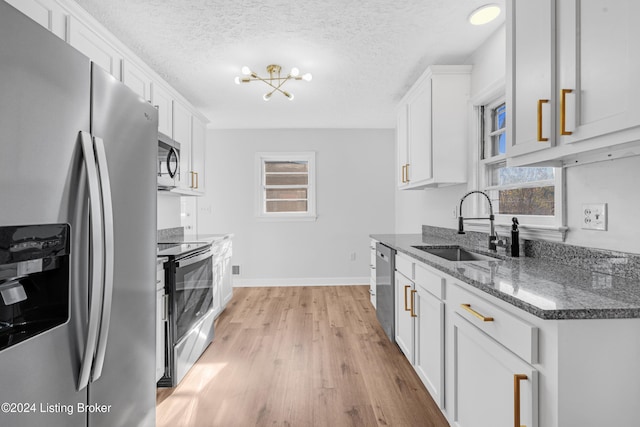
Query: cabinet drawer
[(429, 281), (405, 266), (512, 332)]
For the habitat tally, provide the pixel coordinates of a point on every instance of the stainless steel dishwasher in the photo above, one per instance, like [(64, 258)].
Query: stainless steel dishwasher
[(385, 269)]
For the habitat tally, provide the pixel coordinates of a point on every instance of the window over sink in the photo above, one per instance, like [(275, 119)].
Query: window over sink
[(533, 194)]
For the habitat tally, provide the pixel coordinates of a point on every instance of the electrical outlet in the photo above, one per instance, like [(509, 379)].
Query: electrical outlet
[(594, 216), (352, 256), (455, 212)]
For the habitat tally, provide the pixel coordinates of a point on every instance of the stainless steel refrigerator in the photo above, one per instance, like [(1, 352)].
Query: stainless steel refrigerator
[(77, 148)]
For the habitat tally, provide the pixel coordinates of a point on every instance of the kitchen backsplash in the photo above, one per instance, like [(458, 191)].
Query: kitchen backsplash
[(168, 235), (615, 263)]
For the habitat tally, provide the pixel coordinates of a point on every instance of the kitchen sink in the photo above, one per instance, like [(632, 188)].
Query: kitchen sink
[(455, 254)]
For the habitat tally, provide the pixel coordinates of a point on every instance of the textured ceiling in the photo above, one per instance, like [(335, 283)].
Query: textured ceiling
[(363, 55)]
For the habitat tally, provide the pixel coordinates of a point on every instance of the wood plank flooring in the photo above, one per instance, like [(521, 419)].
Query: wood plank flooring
[(299, 356)]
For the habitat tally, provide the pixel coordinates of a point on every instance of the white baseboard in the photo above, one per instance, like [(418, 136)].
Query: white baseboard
[(303, 281)]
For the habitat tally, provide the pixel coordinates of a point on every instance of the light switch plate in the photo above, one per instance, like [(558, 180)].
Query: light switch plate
[(594, 216)]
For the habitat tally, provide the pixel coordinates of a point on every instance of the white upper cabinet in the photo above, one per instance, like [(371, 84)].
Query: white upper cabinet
[(402, 141), (531, 48), (47, 13), (137, 79), (574, 78), (182, 134), (432, 129), (163, 101), (198, 139), (94, 46)]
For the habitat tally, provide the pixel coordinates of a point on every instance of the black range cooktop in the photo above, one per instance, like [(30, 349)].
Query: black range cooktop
[(177, 249)]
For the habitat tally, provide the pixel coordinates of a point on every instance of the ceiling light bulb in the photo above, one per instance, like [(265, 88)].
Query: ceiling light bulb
[(307, 77), (485, 14), (266, 96), (246, 70), (295, 72), (237, 80)]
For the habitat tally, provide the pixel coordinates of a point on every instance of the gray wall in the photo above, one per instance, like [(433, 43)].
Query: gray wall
[(355, 193)]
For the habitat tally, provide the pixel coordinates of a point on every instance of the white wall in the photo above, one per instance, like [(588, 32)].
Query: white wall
[(355, 187), (168, 211), (614, 182)]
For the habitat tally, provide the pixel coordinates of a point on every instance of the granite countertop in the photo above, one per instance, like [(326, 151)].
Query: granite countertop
[(544, 288)]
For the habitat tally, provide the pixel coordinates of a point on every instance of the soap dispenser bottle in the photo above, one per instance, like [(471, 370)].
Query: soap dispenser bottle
[(515, 238)]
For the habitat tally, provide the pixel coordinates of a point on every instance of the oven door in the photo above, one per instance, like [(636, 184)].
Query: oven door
[(193, 293)]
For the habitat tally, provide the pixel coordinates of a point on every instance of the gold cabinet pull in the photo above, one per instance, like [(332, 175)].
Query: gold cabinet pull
[(468, 308), (407, 172), (197, 180), (413, 303), (403, 169), (540, 102), (516, 398), (406, 307), (191, 173), (563, 112)]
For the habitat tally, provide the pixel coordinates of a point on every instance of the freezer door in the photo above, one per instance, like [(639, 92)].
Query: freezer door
[(44, 104), (127, 127)]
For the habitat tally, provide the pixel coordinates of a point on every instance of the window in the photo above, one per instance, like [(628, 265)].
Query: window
[(286, 188), (533, 194)]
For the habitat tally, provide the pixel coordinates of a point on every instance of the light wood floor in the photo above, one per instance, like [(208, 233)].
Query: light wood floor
[(299, 356)]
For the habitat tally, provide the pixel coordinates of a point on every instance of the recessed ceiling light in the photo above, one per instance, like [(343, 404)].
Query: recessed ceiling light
[(484, 14)]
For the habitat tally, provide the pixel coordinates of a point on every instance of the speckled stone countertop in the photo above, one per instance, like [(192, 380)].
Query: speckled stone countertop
[(539, 286)]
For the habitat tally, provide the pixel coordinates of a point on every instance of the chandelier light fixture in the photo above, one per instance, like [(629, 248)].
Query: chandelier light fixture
[(275, 81)]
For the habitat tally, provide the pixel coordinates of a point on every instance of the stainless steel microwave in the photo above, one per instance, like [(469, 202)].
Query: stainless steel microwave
[(168, 162)]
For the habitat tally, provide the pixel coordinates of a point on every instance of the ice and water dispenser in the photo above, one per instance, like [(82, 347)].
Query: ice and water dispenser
[(34, 280)]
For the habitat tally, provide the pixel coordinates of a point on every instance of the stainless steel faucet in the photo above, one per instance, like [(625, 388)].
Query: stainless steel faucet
[(492, 231)]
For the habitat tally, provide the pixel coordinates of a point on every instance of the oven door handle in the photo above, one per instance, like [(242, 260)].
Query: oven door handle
[(184, 262)]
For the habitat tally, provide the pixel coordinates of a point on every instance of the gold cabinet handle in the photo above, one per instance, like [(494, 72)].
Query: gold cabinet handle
[(406, 307), (407, 172), (563, 112), (403, 169), (516, 398), (191, 173), (468, 308), (413, 302), (540, 102), (197, 180)]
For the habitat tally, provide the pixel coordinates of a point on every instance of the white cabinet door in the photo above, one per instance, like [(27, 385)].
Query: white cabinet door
[(402, 141), (163, 101), (405, 295), (419, 110), (160, 322), (47, 13), (90, 43), (599, 61), (198, 144), (227, 285), (182, 134), (531, 93), (136, 79), (429, 343), (485, 386)]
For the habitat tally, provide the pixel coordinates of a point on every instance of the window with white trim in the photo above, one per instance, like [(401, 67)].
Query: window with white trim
[(286, 186), (533, 194)]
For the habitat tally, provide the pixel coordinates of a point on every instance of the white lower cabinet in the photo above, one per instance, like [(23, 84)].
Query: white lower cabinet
[(372, 270), (404, 316), (487, 363), (492, 386), (429, 342)]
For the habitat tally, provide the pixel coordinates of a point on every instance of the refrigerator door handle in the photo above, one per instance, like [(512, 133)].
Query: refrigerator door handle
[(109, 254), (97, 259)]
